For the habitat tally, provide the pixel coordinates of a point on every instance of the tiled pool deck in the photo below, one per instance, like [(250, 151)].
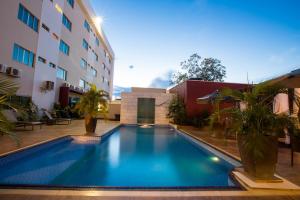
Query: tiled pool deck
[(77, 128), (283, 167), (28, 137)]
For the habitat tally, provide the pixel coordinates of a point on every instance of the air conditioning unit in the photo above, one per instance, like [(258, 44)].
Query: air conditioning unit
[(66, 84), (77, 88), (72, 87), (13, 72), (3, 68), (49, 85)]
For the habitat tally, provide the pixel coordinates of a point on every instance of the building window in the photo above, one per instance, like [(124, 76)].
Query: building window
[(103, 66), (83, 63), (66, 22), (41, 59), (87, 26), (45, 27), (71, 3), (27, 18), (85, 44), (23, 56), (108, 72), (93, 71), (108, 83), (63, 47), (83, 84), (61, 73), (52, 65), (97, 41), (103, 79)]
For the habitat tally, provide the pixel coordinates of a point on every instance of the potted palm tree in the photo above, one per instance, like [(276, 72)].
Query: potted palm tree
[(91, 104), (257, 129)]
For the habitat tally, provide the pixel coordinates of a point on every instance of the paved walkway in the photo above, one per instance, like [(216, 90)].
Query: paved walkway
[(283, 167), (28, 137)]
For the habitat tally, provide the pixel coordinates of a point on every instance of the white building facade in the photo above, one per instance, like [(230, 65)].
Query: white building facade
[(53, 49)]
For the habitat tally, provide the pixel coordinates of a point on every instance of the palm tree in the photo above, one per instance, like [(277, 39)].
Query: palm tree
[(7, 89), (92, 103), (257, 128)]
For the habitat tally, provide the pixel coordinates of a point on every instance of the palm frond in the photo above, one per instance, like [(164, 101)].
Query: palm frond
[(8, 87)]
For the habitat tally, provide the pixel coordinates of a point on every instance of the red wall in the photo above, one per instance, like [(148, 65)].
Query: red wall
[(190, 90)]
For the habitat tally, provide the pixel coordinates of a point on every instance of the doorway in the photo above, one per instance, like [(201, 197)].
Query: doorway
[(146, 111)]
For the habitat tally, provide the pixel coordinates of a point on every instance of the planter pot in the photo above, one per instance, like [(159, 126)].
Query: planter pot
[(295, 141), (218, 130), (90, 124), (264, 166)]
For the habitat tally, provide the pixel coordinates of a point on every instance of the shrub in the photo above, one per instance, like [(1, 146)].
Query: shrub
[(177, 110), (202, 119)]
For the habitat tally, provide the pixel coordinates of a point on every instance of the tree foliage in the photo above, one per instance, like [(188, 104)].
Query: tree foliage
[(93, 102), (207, 69)]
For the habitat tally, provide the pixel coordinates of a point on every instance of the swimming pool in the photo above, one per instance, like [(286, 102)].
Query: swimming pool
[(128, 157)]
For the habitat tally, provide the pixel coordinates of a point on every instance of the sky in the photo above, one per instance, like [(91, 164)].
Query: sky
[(150, 38)]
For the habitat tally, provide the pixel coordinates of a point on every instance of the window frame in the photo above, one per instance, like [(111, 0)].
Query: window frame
[(64, 47), (25, 16), (85, 44), (66, 22), (71, 3), (82, 60), (65, 73), (22, 55)]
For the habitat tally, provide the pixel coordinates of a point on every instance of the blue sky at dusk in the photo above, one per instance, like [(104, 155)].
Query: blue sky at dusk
[(255, 36)]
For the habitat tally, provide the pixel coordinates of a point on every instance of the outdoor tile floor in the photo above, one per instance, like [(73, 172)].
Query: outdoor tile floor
[(283, 167), (28, 137)]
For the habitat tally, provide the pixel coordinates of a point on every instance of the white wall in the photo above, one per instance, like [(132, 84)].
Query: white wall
[(129, 106), (48, 48)]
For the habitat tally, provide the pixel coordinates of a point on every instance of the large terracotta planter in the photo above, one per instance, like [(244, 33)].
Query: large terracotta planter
[(259, 168), (295, 141), (90, 124)]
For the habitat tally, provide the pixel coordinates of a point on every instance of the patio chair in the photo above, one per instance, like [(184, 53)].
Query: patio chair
[(54, 120), (10, 115)]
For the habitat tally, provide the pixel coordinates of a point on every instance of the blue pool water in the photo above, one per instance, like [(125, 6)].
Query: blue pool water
[(129, 157)]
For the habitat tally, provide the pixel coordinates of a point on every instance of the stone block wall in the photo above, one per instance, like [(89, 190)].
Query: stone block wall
[(129, 106)]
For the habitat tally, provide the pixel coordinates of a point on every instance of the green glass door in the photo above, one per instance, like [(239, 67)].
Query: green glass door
[(146, 111)]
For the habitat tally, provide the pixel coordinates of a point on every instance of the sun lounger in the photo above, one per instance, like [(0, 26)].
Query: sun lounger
[(10, 115), (53, 120)]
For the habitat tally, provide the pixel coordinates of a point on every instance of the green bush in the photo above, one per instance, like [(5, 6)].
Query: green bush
[(202, 119), (65, 111), (177, 110)]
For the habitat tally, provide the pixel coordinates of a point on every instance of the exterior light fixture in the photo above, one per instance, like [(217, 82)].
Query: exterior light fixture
[(215, 159)]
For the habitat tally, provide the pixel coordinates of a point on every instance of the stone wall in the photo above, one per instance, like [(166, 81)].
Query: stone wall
[(129, 106)]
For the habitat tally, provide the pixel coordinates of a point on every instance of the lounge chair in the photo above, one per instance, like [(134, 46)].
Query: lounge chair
[(53, 120), (10, 115)]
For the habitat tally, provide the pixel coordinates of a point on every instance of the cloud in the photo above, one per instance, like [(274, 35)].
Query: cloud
[(118, 90), (162, 81)]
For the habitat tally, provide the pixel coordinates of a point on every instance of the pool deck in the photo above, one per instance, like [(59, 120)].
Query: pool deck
[(283, 168), (28, 138)]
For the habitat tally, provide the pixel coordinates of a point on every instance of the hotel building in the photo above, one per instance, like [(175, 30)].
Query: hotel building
[(53, 49)]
